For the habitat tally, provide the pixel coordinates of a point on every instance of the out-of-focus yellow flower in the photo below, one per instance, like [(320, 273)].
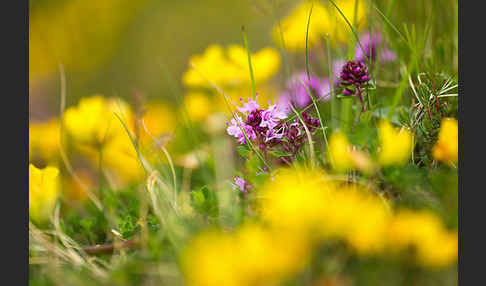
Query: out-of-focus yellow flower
[(446, 148), (204, 106), (230, 68), (265, 94), (316, 207), (358, 216), (396, 145), (93, 125), (343, 156), (198, 106), (265, 62), (78, 34), (120, 158), (44, 139), (325, 19), (294, 198), (424, 232), (43, 192), (339, 152), (306, 202), (159, 119), (94, 118), (250, 256)]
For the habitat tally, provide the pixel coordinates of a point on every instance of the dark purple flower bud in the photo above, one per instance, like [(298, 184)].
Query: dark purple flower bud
[(293, 131), (354, 73), (255, 118)]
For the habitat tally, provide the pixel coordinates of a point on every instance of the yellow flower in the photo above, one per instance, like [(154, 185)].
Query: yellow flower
[(159, 119), (72, 32), (265, 63), (265, 94), (43, 192), (198, 106), (339, 152), (424, 232), (343, 156), (446, 148), (249, 256), (356, 215), (230, 68), (44, 139), (325, 19), (396, 145), (120, 158), (317, 208), (94, 118), (310, 204), (208, 260), (294, 199)]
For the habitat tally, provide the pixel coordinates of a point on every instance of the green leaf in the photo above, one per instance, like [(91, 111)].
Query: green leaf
[(243, 150), (128, 226), (279, 154), (205, 202), (366, 116)]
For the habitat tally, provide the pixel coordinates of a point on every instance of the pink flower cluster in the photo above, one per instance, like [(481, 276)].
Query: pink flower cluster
[(268, 130), (260, 125)]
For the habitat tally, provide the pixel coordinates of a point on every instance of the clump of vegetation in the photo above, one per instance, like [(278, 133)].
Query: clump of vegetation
[(342, 173)]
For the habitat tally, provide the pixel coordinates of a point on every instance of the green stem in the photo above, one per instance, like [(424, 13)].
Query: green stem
[(307, 68), (334, 103), (346, 113), (245, 40)]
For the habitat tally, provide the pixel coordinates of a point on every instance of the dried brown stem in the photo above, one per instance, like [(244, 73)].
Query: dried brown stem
[(109, 248)]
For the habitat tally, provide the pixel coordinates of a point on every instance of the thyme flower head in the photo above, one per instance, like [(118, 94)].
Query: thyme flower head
[(353, 76), (260, 125)]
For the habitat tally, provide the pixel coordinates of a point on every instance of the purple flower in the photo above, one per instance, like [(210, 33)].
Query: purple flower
[(235, 130), (370, 44), (297, 94), (259, 124), (275, 133), (242, 185), (294, 131), (254, 118), (283, 102), (311, 122), (249, 107), (272, 116), (353, 76)]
